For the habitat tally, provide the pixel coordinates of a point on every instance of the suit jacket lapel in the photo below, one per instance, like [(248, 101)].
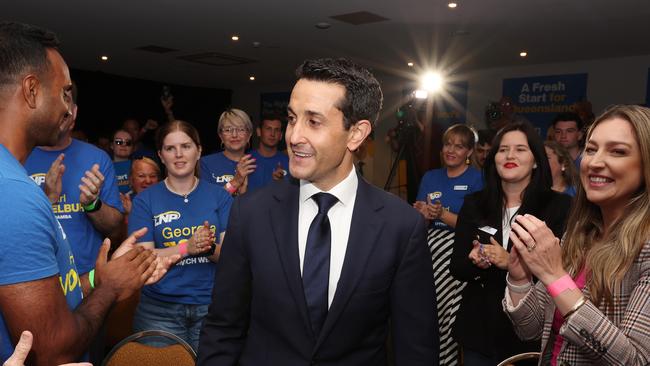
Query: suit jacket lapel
[(364, 233), (284, 220)]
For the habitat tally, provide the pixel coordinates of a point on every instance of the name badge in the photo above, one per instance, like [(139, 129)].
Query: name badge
[(460, 188)]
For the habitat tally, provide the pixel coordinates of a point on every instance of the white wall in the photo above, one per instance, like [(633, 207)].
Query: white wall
[(609, 81)]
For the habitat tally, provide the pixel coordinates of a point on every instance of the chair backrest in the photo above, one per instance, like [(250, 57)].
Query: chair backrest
[(520, 357), (130, 352)]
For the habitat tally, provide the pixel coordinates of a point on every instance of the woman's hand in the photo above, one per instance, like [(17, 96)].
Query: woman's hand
[(201, 241), (496, 254), (477, 257), (517, 270), (430, 211), (538, 248), (245, 166)]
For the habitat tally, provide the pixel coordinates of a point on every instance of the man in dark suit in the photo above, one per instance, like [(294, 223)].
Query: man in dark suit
[(302, 282)]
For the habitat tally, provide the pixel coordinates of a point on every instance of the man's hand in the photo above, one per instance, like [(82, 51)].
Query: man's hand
[(162, 263), (22, 351), (128, 272), (53, 179), (90, 186)]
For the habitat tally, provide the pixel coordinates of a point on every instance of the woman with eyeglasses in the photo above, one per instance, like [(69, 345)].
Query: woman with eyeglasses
[(122, 148), (231, 167), (185, 216)]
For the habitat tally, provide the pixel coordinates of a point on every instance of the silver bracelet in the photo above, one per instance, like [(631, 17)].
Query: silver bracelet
[(519, 289)]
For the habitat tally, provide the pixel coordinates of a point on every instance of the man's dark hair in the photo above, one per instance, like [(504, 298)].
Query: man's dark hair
[(23, 49), (272, 117), (568, 116), (485, 136), (363, 96)]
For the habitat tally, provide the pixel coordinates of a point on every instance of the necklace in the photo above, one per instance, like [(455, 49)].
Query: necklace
[(184, 195)]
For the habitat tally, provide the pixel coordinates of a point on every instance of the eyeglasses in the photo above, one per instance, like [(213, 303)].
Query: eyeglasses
[(122, 142), (231, 130)]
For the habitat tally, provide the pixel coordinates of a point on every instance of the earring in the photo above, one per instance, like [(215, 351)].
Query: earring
[(467, 162), (563, 168), (222, 146), (535, 166)]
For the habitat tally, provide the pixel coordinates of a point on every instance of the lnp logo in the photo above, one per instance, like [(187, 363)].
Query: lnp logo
[(38, 178), (166, 217), (223, 178), (434, 196)]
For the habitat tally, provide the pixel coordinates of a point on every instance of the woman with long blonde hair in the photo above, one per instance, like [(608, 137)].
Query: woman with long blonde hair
[(591, 305)]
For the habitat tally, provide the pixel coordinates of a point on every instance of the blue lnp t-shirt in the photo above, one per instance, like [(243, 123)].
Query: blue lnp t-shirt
[(84, 239), (170, 220), (263, 173), (217, 168), (449, 191), (33, 244), (122, 171)]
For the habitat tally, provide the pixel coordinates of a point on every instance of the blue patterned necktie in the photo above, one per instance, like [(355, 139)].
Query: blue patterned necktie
[(316, 265)]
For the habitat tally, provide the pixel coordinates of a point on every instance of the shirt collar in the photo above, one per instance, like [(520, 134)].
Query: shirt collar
[(344, 191)]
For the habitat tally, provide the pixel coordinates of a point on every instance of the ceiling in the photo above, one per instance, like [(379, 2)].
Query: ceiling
[(477, 34)]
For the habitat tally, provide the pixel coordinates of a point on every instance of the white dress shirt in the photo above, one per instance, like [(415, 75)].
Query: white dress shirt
[(340, 216)]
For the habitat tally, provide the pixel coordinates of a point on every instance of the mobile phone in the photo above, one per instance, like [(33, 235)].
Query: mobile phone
[(484, 233)]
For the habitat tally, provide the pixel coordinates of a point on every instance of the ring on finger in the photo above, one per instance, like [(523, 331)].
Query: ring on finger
[(531, 247)]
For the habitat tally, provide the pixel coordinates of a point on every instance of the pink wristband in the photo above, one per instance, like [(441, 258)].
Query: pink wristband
[(182, 249), (560, 285), (230, 188)]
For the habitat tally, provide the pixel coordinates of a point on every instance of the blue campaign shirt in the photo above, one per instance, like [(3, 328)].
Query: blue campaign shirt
[(171, 221), (449, 191), (84, 239), (33, 244), (217, 168), (263, 174), (122, 171)]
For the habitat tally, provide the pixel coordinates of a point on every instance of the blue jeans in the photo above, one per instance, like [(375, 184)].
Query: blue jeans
[(179, 319)]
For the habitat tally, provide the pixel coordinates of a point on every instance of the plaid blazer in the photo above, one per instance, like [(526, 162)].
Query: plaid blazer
[(617, 335)]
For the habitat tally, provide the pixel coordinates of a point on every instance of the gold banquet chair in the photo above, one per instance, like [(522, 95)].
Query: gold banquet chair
[(131, 352), (527, 356)]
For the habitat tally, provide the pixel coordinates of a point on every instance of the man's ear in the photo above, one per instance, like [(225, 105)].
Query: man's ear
[(358, 133), (31, 87)]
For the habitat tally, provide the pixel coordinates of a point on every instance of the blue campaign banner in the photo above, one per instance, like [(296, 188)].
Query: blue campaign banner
[(274, 103), (449, 104), (540, 98), (452, 104)]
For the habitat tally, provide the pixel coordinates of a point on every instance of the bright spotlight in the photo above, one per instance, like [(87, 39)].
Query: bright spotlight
[(432, 82), (421, 94)]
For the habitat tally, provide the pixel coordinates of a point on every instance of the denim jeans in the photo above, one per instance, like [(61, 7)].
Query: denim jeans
[(179, 319)]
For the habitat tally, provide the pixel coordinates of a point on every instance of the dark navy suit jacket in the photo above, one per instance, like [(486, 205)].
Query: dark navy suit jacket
[(258, 314)]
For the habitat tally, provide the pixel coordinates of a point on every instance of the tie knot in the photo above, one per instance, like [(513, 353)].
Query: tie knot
[(325, 201)]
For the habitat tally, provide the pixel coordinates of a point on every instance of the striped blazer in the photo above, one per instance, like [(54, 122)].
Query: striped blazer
[(617, 335)]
